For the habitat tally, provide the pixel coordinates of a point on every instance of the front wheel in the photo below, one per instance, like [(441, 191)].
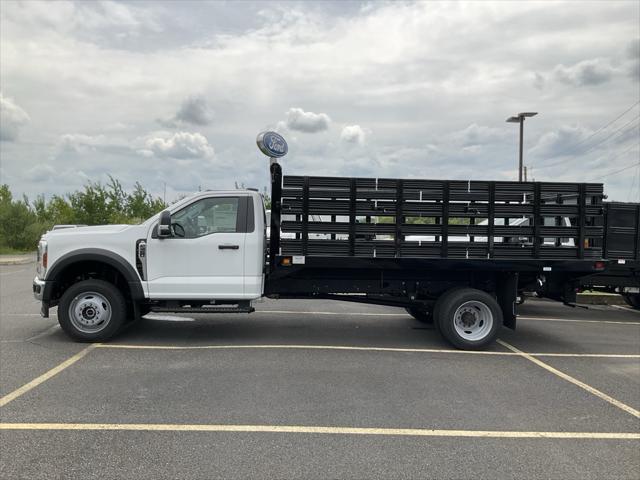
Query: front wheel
[(468, 318), (92, 311)]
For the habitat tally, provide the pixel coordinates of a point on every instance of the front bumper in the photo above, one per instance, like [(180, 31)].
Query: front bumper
[(38, 288), (42, 293)]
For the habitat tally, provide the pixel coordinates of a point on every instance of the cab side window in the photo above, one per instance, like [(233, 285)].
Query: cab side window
[(206, 216)]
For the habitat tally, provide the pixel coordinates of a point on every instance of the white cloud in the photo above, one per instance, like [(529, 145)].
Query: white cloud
[(78, 142), (180, 146), (104, 21), (12, 117), (476, 135), (194, 110), (436, 101), (353, 134), (587, 72), (562, 140), (308, 122), (40, 172)]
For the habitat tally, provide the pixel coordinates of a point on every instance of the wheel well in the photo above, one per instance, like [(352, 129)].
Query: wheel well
[(88, 269)]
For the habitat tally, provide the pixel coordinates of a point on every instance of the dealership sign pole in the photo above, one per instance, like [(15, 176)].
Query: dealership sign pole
[(274, 146)]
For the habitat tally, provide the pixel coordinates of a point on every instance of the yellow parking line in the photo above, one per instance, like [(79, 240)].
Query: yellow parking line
[(575, 381), (46, 376), (413, 432), (364, 349)]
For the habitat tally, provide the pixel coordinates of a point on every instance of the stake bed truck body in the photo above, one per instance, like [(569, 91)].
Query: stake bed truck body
[(621, 246), (456, 253)]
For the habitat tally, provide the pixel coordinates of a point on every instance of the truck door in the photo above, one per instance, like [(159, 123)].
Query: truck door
[(204, 257)]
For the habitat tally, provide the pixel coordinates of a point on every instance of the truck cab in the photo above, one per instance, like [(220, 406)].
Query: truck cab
[(214, 249), (206, 251)]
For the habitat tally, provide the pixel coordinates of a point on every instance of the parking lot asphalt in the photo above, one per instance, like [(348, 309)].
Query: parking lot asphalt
[(317, 389)]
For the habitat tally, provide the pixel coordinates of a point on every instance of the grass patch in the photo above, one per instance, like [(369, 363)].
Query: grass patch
[(4, 250)]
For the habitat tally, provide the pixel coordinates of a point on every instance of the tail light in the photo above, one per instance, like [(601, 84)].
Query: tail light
[(599, 265)]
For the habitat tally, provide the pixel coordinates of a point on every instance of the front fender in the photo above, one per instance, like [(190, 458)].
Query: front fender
[(94, 255)]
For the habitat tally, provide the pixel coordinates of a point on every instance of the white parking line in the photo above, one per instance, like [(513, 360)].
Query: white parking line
[(402, 314), (348, 314), (578, 320), (48, 331), (152, 316), (626, 309), (297, 347), (575, 381), (354, 348), (411, 432)]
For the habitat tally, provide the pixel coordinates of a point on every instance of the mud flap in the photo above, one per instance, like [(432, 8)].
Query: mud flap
[(507, 293)]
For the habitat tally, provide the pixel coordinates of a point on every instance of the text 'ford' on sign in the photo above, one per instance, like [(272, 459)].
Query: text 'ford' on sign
[(272, 144)]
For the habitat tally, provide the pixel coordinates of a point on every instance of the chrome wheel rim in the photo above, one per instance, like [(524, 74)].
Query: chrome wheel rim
[(473, 320), (90, 312)]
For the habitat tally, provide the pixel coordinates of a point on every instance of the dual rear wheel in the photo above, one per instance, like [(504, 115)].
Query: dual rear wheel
[(469, 319)]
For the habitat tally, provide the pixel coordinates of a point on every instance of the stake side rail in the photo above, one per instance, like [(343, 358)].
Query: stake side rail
[(413, 218)]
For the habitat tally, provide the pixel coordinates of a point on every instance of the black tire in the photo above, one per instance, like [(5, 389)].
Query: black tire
[(481, 308), (632, 299), (91, 296), (423, 316)]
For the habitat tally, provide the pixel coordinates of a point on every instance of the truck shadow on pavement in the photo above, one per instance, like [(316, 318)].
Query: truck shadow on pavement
[(261, 328)]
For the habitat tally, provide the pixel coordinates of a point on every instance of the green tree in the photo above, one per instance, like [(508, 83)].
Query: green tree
[(60, 211), (140, 205), (22, 223), (16, 220)]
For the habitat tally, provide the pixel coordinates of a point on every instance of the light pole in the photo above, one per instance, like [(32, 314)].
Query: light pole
[(520, 119)]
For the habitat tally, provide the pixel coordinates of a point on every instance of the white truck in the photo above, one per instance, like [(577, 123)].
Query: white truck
[(208, 248), (210, 253)]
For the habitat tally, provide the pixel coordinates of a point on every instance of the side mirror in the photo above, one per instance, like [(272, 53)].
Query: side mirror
[(164, 225)]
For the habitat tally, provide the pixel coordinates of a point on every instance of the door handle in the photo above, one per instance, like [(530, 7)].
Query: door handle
[(228, 247)]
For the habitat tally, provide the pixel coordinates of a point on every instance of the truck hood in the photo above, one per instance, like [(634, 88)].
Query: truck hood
[(93, 230)]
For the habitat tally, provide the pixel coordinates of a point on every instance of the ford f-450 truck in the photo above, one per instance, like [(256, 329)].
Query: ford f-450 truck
[(455, 253)]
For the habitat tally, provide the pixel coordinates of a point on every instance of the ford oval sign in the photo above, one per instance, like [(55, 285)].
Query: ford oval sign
[(272, 144)]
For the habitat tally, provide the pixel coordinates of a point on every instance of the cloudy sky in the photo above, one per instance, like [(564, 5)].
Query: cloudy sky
[(176, 92)]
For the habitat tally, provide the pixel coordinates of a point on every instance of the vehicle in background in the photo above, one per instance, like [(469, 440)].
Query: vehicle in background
[(511, 222), (289, 218), (62, 226), (621, 246)]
